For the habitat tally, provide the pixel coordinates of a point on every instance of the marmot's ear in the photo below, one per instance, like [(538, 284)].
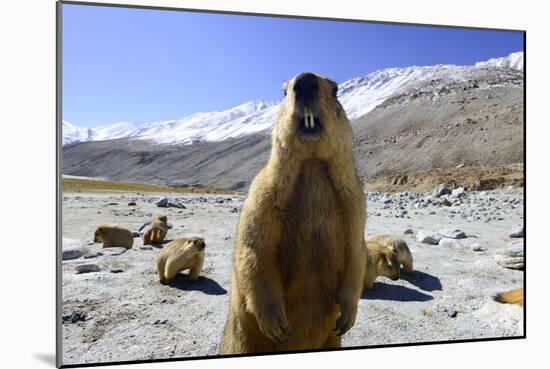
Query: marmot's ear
[(163, 218)]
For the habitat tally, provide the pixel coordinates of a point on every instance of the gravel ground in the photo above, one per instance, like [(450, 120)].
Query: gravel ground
[(123, 313)]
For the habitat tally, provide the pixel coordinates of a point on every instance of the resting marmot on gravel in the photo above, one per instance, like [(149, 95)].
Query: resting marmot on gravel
[(399, 247), (114, 236), (299, 256), (381, 261), (156, 231), (179, 255), (511, 297)]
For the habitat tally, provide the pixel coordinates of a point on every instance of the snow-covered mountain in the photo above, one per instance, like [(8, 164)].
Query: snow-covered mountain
[(73, 134), (358, 96), (514, 61)]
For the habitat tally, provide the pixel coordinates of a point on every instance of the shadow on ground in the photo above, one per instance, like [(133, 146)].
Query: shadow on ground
[(46, 358), (383, 291), (160, 244), (203, 284), (424, 281)]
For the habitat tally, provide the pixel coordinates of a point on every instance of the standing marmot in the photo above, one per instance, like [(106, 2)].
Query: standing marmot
[(156, 231), (179, 255), (114, 236), (299, 258), (399, 247), (381, 261)]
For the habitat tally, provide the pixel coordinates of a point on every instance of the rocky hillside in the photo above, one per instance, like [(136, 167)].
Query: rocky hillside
[(412, 126)]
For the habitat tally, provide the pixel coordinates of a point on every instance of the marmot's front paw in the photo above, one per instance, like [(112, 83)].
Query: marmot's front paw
[(275, 326), (346, 320)]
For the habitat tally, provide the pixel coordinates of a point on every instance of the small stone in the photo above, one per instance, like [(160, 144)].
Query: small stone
[(441, 190), (117, 270), (234, 210), (175, 205), (476, 247), (136, 234), (74, 317), (132, 203), (408, 231), (163, 202), (146, 247), (460, 166), (443, 200), (112, 203), (452, 313), (431, 238), (87, 268), (452, 233), (517, 231), (72, 249)]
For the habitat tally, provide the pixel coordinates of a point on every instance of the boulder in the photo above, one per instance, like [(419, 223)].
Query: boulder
[(72, 249), (512, 257)]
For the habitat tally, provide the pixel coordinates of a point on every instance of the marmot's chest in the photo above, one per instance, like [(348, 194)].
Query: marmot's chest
[(314, 237)]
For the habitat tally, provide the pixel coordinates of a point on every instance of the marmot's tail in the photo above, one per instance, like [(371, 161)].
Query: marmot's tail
[(511, 297)]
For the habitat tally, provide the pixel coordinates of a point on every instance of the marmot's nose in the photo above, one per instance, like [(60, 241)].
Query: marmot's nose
[(305, 87)]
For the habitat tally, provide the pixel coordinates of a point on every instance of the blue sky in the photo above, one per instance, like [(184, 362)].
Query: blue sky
[(123, 64)]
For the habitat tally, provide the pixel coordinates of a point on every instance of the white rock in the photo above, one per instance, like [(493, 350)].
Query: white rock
[(72, 249), (428, 237), (477, 247), (512, 257), (458, 192)]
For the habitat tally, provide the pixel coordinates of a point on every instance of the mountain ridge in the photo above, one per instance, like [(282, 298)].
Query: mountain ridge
[(358, 95)]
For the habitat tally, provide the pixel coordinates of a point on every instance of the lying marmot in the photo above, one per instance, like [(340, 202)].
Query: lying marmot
[(399, 247), (511, 297), (381, 261), (114, 236), (179, 255), (299, 256), (156, 231)]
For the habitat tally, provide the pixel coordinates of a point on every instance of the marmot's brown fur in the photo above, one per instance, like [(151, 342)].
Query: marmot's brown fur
[(179, 255), (399, 247), (114, 236), (156, 231), (299, 257), (381, 261), (511, 297)]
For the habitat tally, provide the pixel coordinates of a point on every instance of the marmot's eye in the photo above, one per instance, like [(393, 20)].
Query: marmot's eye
[(284, 91), (334, 91)]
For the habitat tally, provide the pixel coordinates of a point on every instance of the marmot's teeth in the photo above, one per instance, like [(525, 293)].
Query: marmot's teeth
[(312, 122)]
